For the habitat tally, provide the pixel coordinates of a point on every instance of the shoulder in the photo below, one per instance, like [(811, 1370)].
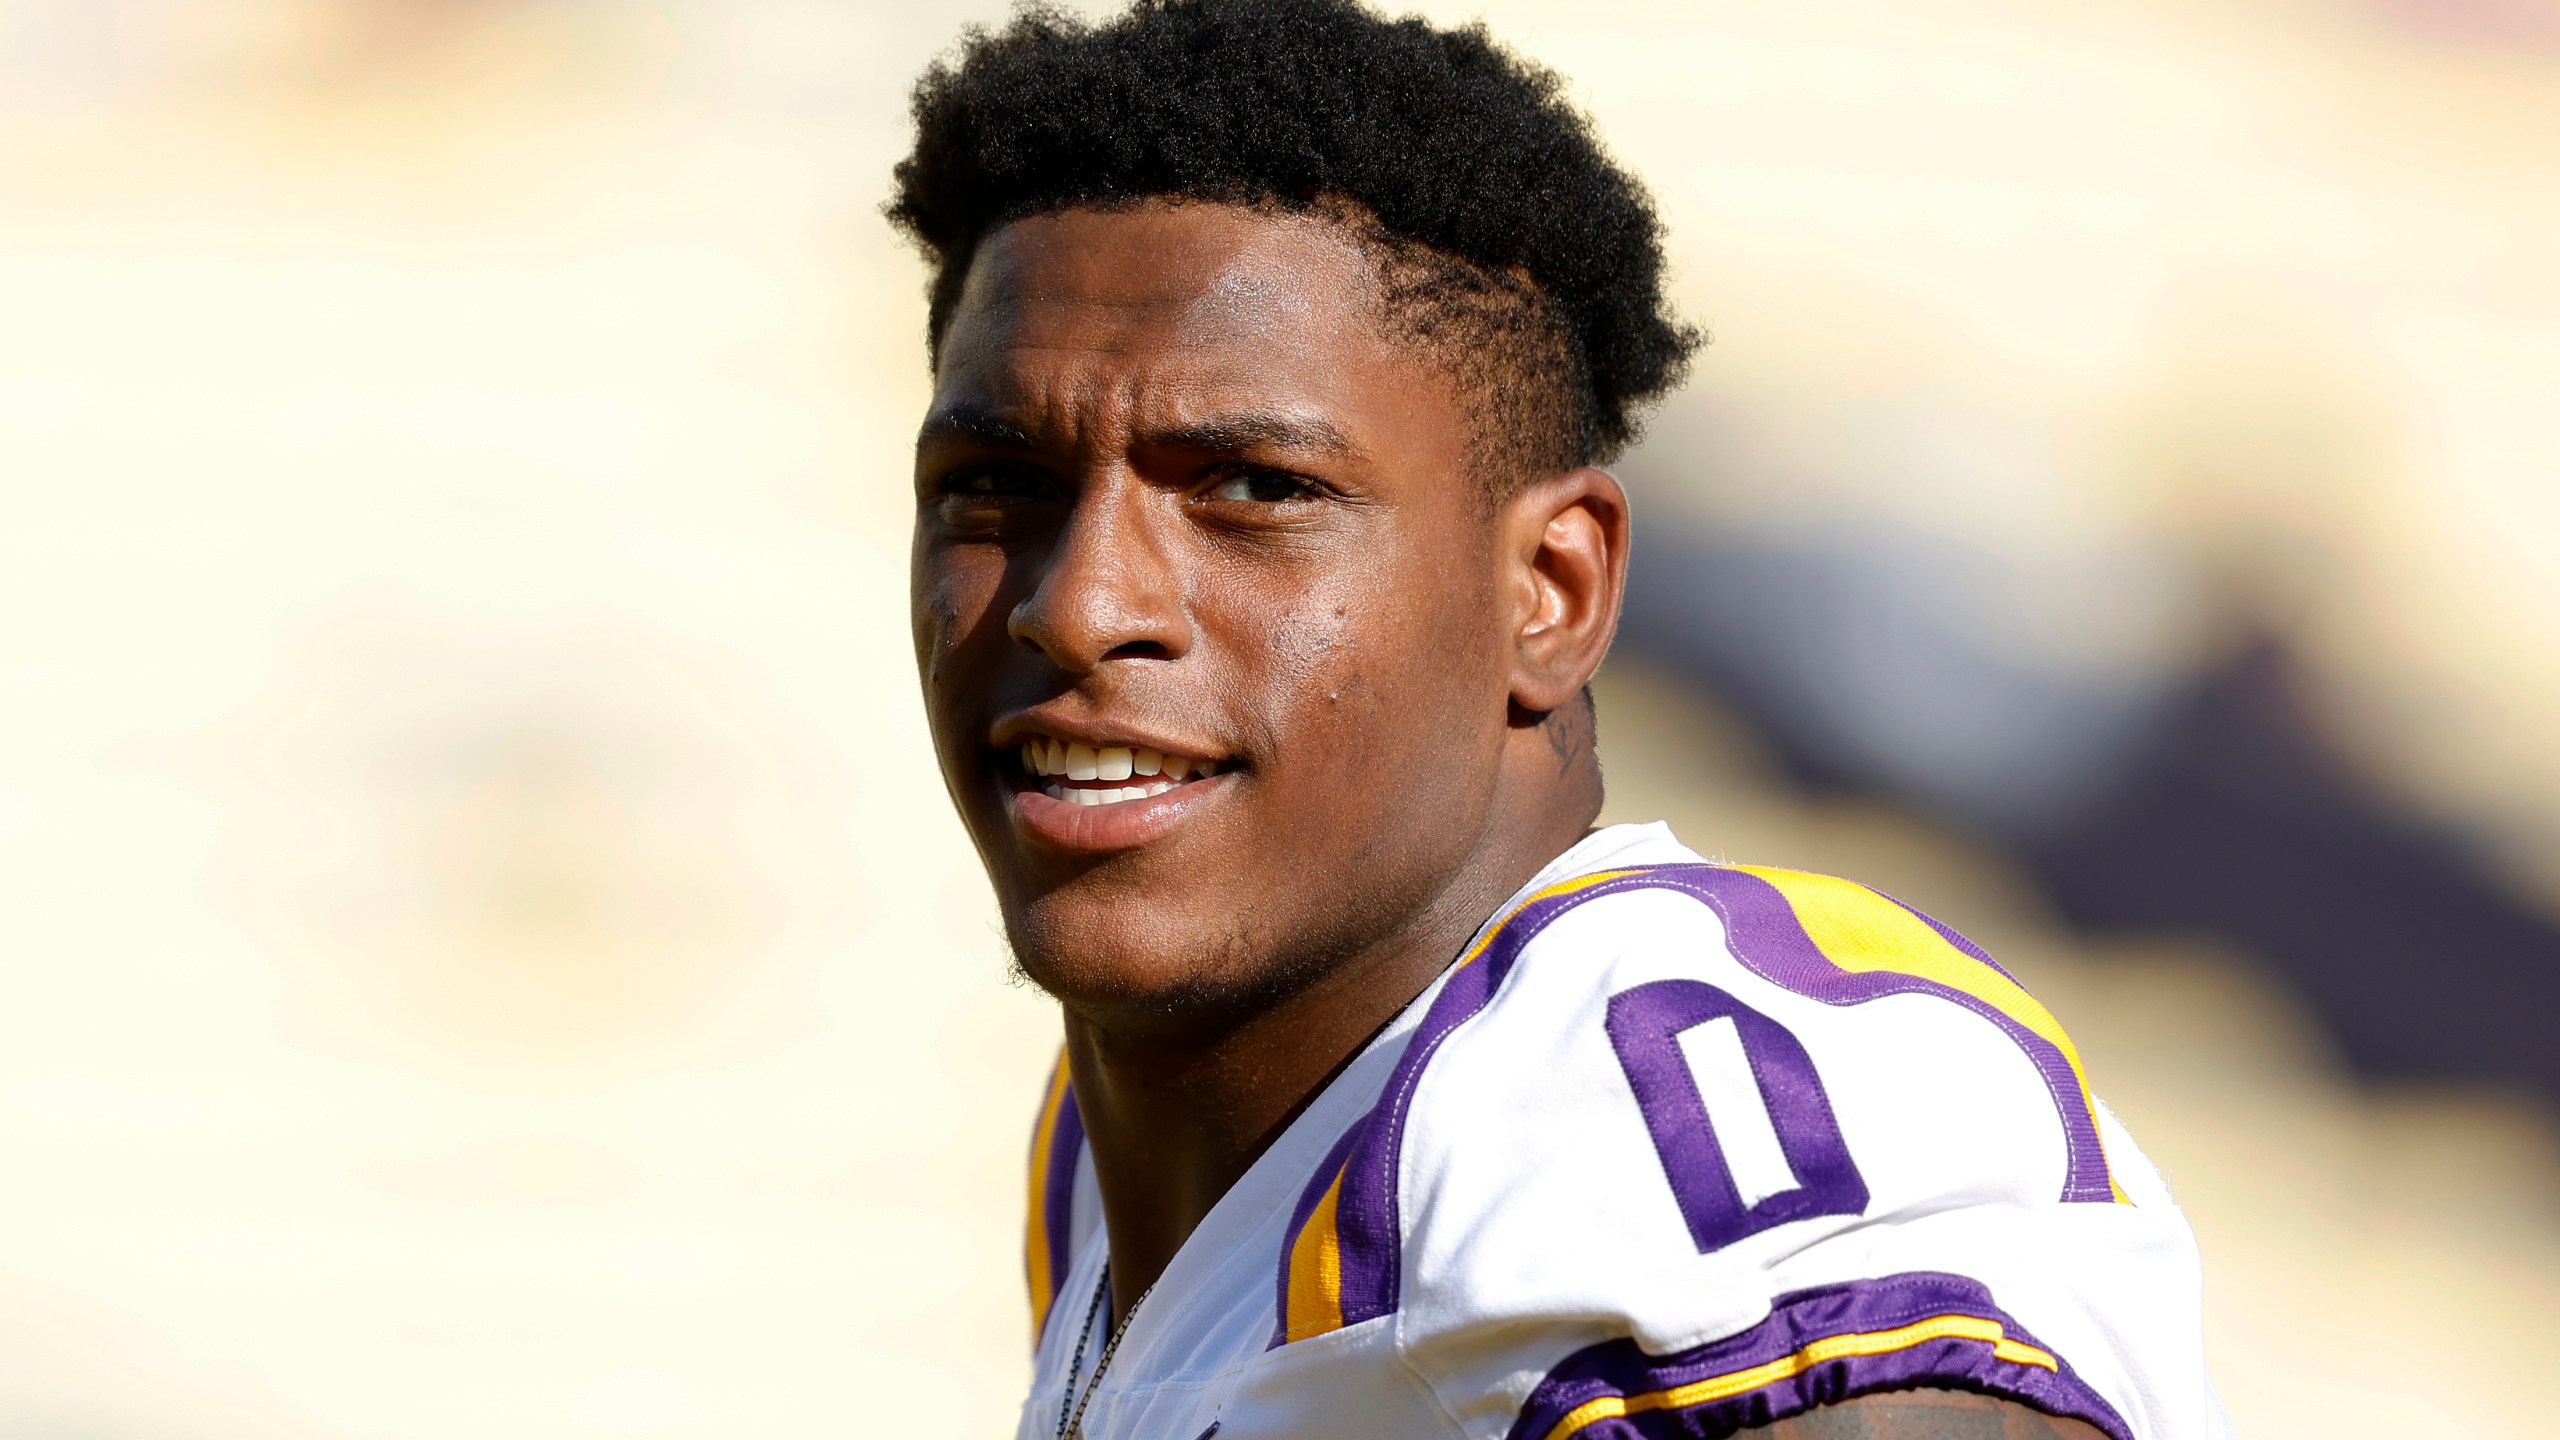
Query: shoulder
[(1686, 1113), (1756, 1026)]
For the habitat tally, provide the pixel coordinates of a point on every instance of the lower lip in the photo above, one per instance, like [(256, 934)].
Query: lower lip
[(1121, 825)]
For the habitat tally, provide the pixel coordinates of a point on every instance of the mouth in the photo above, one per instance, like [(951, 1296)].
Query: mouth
[(1088, 797), (1080, 774)]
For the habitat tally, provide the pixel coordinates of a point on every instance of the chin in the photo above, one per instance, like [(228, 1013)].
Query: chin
[(1144, 965)]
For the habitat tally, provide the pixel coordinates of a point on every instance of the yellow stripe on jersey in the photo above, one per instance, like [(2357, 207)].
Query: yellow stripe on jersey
[(1787, 1367), (1860, 930), (1315, 1252), (1314, 1262), (1315, 1269), (1035, 1240), (1561, 887)]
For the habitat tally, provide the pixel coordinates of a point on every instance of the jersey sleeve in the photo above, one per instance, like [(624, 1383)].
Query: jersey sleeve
[(1700, 1147)]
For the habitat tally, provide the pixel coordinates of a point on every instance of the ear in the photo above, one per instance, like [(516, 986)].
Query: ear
[(1564, 549)]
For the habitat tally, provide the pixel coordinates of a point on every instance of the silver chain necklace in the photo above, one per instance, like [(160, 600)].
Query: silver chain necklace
[(1071, 1420)]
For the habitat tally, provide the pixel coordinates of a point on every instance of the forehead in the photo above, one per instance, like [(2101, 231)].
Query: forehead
[(1161, 302)]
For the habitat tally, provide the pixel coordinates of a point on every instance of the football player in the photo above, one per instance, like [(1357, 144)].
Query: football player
[(1261, 558)]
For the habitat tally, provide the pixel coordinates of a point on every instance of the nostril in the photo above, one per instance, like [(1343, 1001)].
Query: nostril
[(1139, 650)]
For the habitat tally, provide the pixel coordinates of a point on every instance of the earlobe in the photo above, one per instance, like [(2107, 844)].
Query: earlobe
[(1565, 539)]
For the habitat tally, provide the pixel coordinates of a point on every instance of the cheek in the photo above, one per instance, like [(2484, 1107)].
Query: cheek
[(952, 597), (1381, 680), (1444, 697), (1315, 651)]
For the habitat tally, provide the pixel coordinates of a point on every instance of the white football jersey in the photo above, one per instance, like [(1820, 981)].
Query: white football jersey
[(1674, 1148)]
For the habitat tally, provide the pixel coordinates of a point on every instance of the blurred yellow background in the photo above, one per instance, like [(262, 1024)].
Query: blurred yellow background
[(485, 950)]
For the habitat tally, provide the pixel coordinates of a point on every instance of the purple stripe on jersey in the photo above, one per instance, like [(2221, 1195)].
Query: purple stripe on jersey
[(1645, 1025), (1365, 1217), (1058, 1189), (1308, 1199), (1763, 932), (1619, 1369)]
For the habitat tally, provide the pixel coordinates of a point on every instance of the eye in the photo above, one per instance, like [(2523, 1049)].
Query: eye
[(992, 499), (997, 482), (1260, 487)]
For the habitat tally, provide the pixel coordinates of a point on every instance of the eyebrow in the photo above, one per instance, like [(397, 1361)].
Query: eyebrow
[(1229, 434), (975, 425), (1219, 434)]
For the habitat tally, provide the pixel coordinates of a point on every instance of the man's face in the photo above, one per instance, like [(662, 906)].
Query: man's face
[(1205, 603)]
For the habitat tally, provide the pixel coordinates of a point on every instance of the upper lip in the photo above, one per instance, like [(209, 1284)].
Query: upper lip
[(1013, 730)]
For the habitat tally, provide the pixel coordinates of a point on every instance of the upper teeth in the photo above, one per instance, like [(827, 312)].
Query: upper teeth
[(1075, 760)]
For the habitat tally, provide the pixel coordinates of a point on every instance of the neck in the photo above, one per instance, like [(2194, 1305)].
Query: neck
[(1174, 1120)]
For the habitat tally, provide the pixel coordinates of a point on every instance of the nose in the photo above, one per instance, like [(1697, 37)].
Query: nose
[(1109, 587)]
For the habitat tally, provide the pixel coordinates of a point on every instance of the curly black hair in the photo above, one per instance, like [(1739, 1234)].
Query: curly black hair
[(1508, 239)]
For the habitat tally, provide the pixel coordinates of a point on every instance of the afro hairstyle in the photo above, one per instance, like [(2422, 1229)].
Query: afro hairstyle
[(1509, 243)]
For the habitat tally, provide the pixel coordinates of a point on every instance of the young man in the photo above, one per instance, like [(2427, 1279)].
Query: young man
[(1260, 563)]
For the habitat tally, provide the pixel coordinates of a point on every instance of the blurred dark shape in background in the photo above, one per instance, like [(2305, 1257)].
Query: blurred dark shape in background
[(2201, 802)]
